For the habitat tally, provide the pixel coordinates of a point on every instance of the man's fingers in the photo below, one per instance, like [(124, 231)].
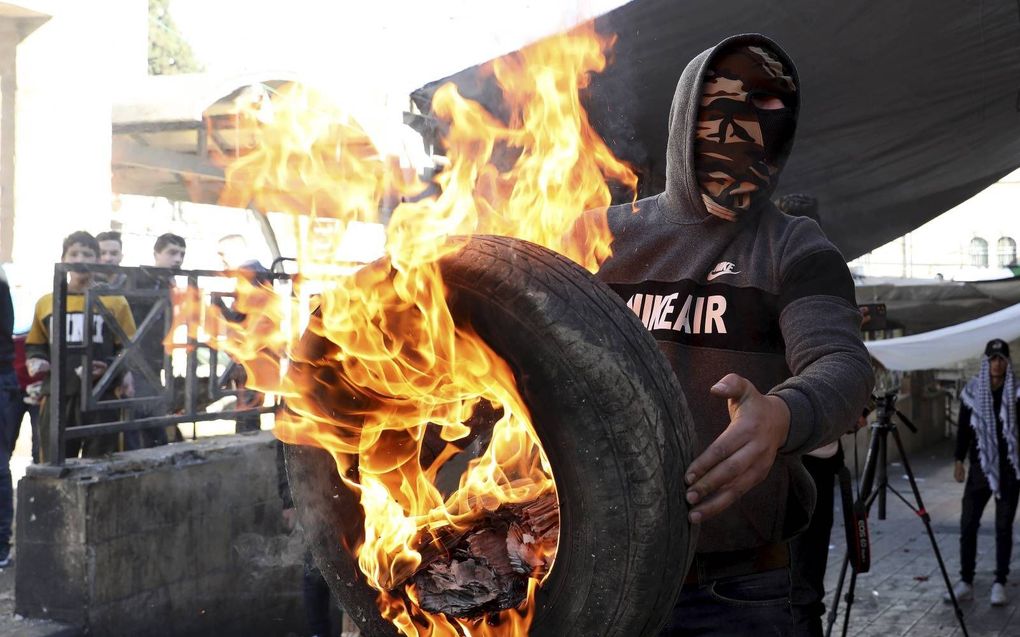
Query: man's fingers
[(716, 453), (742, 455), (714, 505), (732, 386), (745, 476), (739, 466), (728, 443)]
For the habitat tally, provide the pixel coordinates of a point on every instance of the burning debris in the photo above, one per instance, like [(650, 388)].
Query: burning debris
[(486, 567)]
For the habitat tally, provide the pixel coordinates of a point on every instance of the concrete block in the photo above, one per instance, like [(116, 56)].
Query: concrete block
[(155, 501), (265, 515), (228, 601), (177, 540), (143, 561), (129, 618), (51, 537), (52, 587), (211, 542), (211, 601), (51, 511)]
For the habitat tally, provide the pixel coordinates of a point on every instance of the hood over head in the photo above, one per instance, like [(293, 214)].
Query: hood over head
[(731, 128)]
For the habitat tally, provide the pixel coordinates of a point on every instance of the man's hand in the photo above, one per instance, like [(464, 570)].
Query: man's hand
[(98, 369), (744, 452), (958, 472), (36, 366)]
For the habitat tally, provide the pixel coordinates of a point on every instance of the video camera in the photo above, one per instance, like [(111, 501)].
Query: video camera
[(873, 317)]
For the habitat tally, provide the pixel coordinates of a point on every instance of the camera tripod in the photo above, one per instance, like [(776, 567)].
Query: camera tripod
[(874, 485)]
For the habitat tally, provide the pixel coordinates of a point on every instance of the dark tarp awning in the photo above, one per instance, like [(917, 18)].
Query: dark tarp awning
[(909, 107), (920, 305)]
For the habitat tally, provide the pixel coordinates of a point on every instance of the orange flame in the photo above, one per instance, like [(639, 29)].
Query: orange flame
[(397, 366)]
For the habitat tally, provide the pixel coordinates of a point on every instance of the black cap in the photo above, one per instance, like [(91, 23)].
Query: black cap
[(997, 347)]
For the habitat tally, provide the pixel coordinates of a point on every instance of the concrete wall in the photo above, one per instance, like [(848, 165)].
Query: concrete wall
[(180, 540)]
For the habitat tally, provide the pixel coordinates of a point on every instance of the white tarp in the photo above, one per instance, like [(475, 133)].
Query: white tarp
[(949, 345)]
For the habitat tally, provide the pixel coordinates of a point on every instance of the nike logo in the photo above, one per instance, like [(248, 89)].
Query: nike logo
[(723, 267)]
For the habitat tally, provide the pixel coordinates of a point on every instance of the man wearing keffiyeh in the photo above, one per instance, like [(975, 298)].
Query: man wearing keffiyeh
[(987, 434)]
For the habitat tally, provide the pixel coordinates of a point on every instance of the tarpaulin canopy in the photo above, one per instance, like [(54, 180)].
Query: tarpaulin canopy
[(948, 346), (908, 107), (919, 305)]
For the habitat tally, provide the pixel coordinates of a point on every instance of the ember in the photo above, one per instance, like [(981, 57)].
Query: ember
[(485, 568)]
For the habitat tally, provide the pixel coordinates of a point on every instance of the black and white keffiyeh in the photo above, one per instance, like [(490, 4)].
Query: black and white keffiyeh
[(977, 395)]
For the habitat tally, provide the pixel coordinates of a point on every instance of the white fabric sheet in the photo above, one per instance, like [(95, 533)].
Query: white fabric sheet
[(949, 345)]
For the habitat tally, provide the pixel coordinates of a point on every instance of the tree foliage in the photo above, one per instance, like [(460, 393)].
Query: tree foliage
[(169, 52)]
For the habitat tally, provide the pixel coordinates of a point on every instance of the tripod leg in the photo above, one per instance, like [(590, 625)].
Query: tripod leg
[(883, 476), (849, 601), (835, 597), (875, 452), (926, 518), (864, 500)]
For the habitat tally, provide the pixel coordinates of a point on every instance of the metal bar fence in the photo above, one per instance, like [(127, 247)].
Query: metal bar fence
[(156, 321)]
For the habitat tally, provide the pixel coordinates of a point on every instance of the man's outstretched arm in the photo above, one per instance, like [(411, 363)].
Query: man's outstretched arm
[(831, 382)]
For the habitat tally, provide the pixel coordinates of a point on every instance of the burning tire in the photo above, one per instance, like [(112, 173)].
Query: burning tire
[(612, 422)]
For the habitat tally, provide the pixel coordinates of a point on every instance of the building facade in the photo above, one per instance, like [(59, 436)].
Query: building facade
[(976, 240)]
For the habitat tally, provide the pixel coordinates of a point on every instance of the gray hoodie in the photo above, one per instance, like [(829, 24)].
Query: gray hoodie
[(767, 297)]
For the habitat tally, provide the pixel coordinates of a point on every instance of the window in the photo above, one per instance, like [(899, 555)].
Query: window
[(979, 252), (1007, 252)]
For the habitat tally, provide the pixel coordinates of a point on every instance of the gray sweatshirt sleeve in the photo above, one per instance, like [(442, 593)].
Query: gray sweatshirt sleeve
[(832, 376)]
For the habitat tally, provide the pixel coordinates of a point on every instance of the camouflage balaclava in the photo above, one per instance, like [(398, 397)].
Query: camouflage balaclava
[(739, 148)]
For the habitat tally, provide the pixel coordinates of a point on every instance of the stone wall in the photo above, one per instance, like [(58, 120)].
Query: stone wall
[(186, 539)]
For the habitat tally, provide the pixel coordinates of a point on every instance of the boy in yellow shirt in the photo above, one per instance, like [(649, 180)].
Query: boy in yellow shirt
[(80, 247)]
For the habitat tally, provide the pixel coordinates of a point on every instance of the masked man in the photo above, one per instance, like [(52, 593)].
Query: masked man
[(987, 434), (756, 312)]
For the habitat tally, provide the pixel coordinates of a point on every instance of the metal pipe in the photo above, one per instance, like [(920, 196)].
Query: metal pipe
[(58, 357)]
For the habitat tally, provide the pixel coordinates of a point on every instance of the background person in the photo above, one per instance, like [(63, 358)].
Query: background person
[(987, 435), (168, 251), (10, 417), (809, 551), (31, 392), (111, 252), (235, 255), (79, 247)]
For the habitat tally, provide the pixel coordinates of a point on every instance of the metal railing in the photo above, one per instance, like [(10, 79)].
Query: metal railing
[(142, 286)]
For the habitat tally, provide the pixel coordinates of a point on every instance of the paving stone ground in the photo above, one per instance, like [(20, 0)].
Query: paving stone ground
[(902, 594)]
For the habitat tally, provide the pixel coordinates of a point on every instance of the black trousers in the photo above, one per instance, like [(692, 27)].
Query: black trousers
[(809, 551), (976, 494)]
